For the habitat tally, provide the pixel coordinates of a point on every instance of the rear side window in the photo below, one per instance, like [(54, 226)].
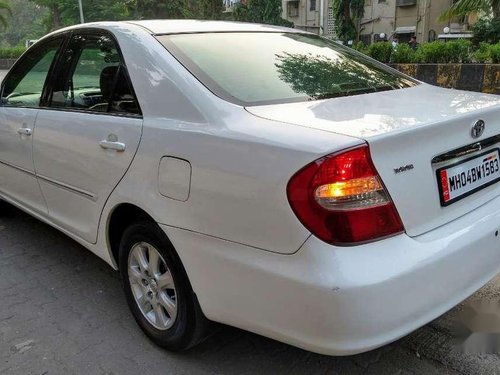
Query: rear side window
[(250, 68), (24, 84), (93, 78)]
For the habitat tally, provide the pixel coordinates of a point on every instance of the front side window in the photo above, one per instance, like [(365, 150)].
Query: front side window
[(24, 85), (279, 67), (93, 78)]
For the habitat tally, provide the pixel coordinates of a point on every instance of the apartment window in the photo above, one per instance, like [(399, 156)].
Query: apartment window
[(313, 5), (405, 3), (293, 8)]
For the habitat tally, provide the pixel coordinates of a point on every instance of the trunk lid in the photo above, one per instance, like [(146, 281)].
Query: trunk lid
[(408, 131)]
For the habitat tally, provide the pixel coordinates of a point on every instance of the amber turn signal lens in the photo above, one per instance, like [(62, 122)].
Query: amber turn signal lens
[(349, 188)]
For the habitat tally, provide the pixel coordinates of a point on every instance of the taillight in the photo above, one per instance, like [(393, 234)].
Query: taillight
[(341, 199)]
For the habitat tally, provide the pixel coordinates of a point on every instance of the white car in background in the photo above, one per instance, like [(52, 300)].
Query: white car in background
[(257, 176)]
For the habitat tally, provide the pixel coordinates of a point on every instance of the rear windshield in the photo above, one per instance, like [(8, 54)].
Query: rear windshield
[(249, 68)]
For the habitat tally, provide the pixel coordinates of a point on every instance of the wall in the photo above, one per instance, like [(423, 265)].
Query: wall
[(471, 77)]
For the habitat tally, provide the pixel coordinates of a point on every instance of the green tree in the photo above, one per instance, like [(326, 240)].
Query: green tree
[(53, 19), (464, 7), (346, 13), (210, 9), (26, 23), (261, 11), (143, 9), (486, 30), (4, 7), (66, 12)]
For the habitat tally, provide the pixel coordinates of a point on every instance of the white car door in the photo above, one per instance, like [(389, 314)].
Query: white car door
[(88, 135), (21, 94)]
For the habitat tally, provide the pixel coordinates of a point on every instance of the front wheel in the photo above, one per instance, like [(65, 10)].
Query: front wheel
[(157, 288)]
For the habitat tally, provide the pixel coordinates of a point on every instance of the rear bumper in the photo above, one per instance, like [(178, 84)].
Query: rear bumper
[(341, 301)]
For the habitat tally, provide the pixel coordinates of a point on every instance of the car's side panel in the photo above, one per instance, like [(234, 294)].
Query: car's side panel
[(77, 175), (240, 164), (343, 300), (17, 175)]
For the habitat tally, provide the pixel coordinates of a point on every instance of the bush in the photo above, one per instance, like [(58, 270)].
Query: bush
[(487, 53), (457, 51), (429, 53), (380, 51), (403, 54), (360, 47), (11, 52), (494, 50), (482, 54)]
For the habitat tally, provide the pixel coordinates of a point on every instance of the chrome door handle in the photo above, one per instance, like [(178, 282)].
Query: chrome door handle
[(110, 145), (24, 131)]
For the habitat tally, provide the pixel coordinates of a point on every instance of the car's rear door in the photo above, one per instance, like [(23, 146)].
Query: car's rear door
[(21, 94), (88, 133)]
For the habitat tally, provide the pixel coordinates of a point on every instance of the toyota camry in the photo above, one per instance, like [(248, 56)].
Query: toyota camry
[(256, 176)]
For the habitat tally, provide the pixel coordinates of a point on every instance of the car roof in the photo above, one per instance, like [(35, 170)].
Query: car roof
[(160, 27), (201, 26)]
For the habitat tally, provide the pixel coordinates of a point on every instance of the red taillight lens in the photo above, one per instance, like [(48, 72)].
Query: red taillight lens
[(341, 199)]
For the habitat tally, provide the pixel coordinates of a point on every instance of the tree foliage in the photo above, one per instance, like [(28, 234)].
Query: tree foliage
[(486, 30), (4, 7), (66, 12), (261, 11), (464, 7), (26, 22), (345, 13), (210, 9), (148, 9)]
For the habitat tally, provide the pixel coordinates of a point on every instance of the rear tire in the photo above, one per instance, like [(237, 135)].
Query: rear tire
[(158, 290)]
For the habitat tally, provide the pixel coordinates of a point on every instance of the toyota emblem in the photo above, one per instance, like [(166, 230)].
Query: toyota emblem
[(477, 129)]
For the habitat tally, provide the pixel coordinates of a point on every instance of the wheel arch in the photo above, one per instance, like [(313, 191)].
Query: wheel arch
[(120, 218)]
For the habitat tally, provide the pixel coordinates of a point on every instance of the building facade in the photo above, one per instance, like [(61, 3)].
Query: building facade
[(383, 19), (405, 18), (310, 15)]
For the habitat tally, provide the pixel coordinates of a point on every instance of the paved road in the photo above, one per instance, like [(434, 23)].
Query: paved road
[(62, 312), (2, 74)]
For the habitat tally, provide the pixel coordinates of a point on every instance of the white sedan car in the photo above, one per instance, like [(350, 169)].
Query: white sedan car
[(257, 176)]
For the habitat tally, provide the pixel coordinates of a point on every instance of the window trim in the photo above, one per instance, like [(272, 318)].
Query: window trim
[(50, 89), (64, 38)]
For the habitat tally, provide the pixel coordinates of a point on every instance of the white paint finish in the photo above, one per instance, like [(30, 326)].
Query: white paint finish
[(201, 26), (403, 127), (355, 298), (415, 192), (17, 178), (174, 178), (236, 158), (377, 114), (239, 177), (77, 175)]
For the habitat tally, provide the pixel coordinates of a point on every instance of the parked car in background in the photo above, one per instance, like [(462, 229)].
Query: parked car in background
[(256, 176)]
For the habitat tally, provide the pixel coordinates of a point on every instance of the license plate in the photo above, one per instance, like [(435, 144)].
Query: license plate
[(464, 178)]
